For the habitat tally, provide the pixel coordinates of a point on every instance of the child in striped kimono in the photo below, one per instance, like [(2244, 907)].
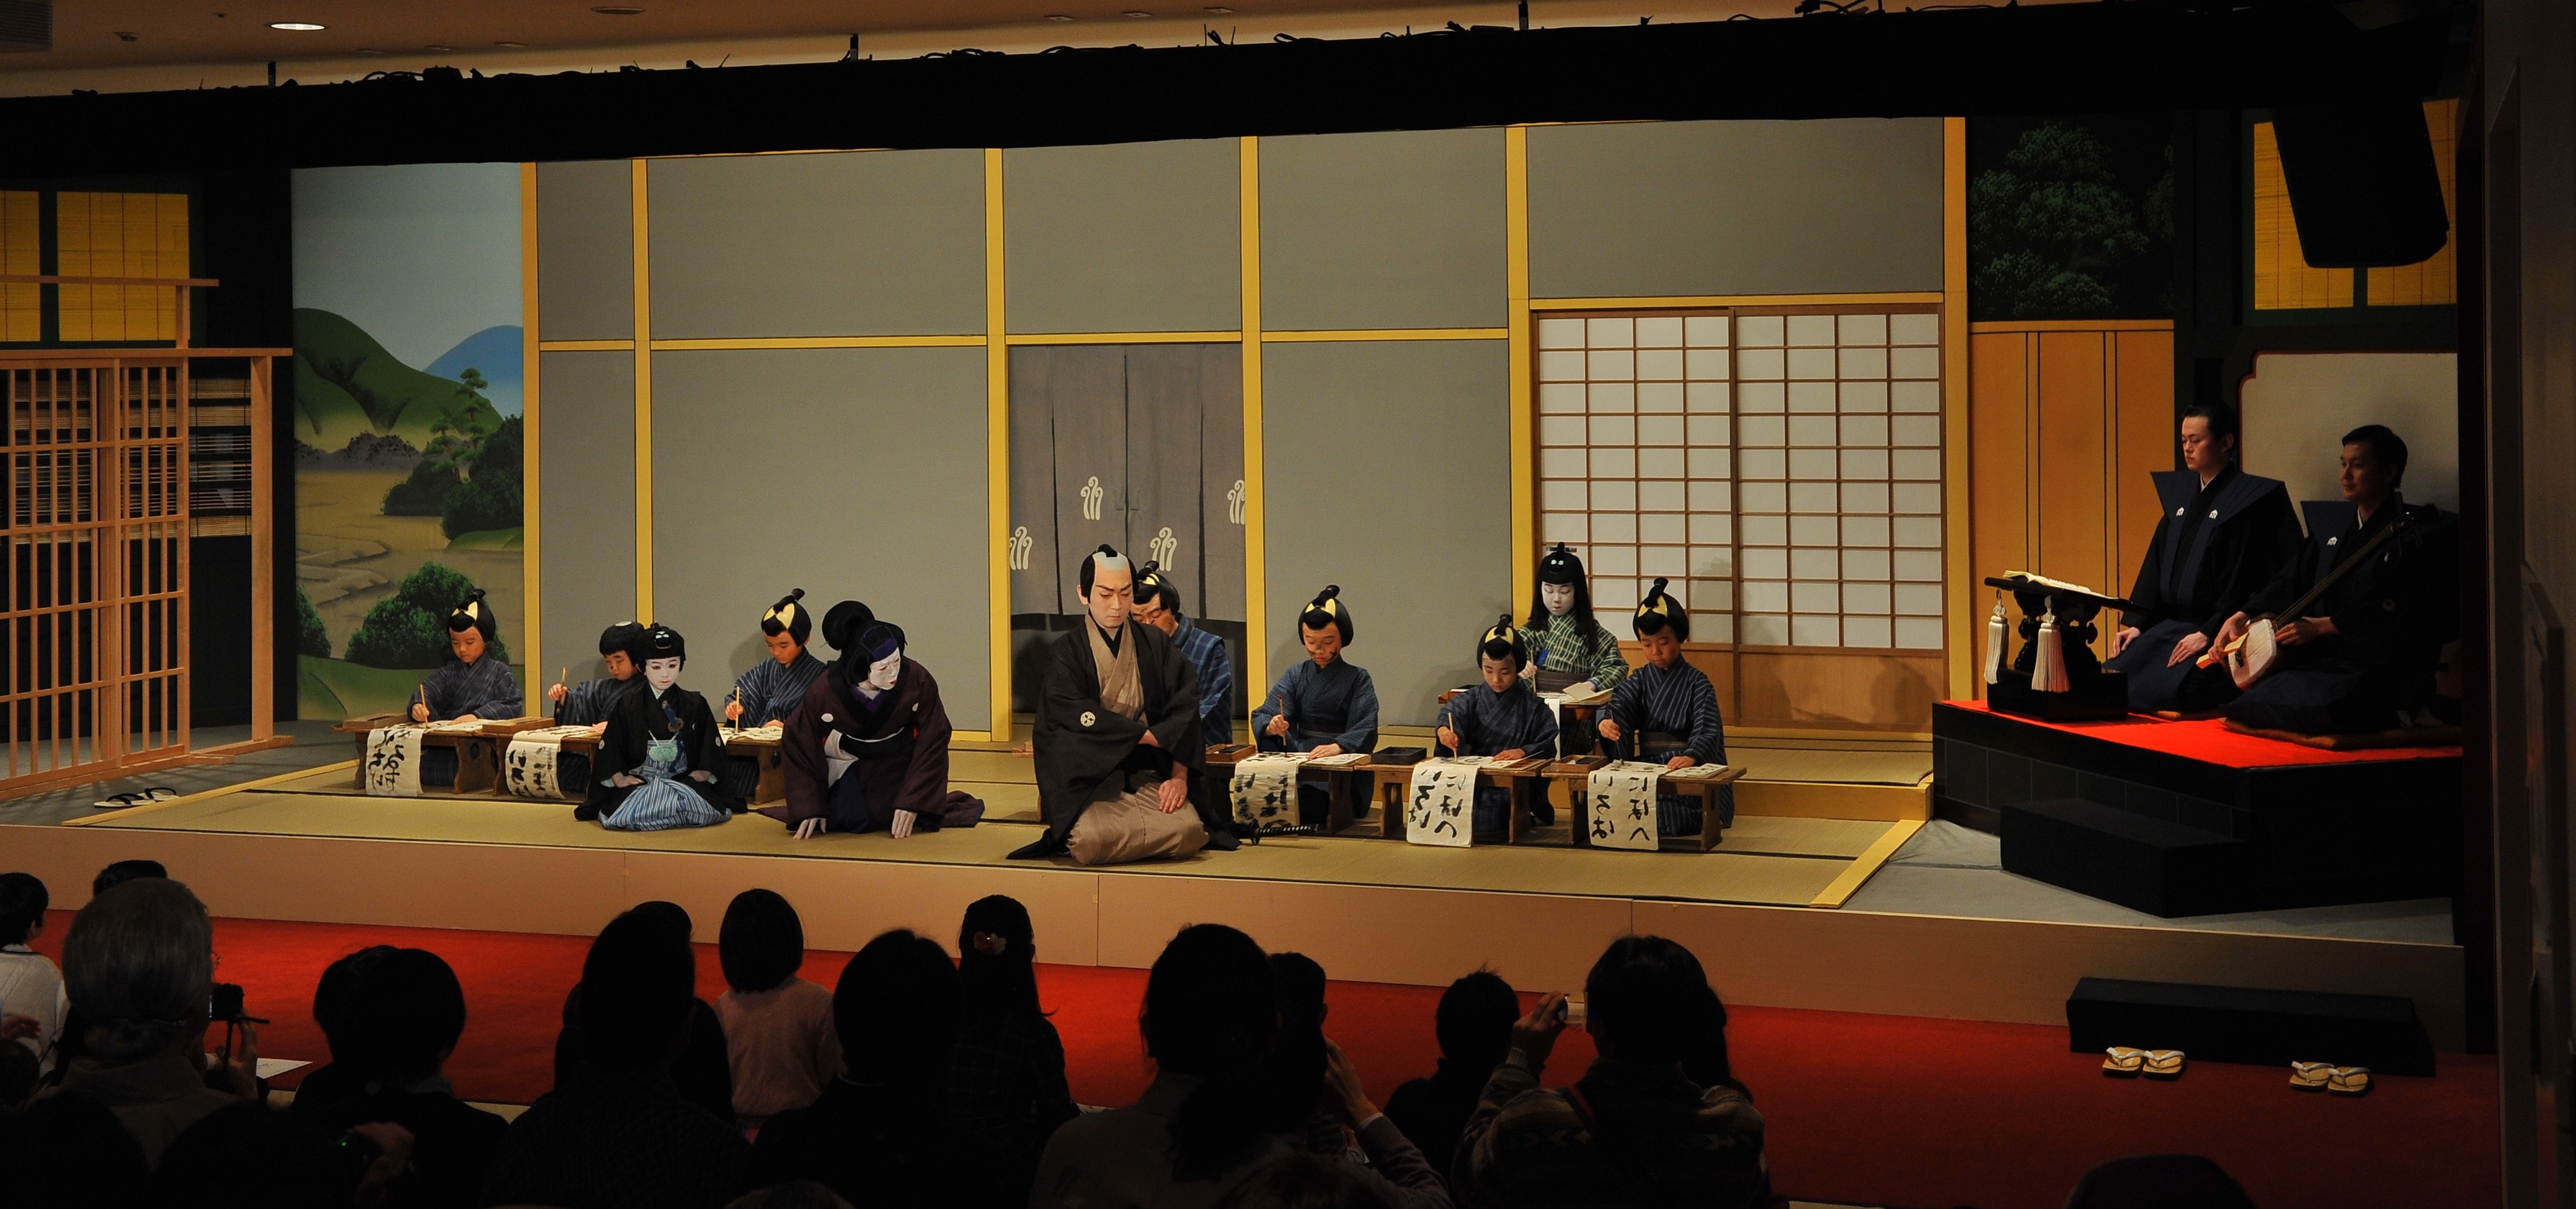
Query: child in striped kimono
[(775, 686), (469, 687), (1500, 717), (1323, 705), (1667, 711), (660, 751), (588, 703)]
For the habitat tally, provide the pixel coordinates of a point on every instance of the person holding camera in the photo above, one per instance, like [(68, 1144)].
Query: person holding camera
[(139, 970), (1640, 1128)]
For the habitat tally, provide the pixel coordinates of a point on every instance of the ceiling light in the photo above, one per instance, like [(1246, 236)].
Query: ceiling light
[(1219, 9), (369, 50), (128, 36), (1059, 17), (617, 10), (301, 27), (511, 45), (1135, 12), (444, 50)]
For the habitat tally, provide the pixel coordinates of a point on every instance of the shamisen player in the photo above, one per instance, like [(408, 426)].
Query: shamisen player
[(775, 686), (1666, 711), (1498, 717)]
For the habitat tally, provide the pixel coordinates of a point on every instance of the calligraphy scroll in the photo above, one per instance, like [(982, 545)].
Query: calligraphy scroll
[(1264, 789), (528, 768), (1619, 806), (392, 766), (1440, 806)]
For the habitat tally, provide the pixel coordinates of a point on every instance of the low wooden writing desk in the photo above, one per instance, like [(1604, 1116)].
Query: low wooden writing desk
[(478, 752), (1526, 778), (1344, 785), (1703, 788)]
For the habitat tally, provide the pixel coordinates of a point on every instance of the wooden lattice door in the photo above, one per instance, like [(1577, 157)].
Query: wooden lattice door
[(95, 583)]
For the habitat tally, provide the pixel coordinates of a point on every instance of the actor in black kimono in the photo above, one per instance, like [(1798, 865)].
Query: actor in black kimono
[(588, 703), (2223, 534), (656, 763), (469, 686), (1122, 773), (2361, 658), (867, 750)]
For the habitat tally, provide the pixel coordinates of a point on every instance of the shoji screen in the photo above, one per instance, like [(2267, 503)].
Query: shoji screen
[(1783, 470)]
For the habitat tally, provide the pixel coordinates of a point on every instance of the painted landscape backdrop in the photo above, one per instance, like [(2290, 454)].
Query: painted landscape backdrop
[(409, 480)]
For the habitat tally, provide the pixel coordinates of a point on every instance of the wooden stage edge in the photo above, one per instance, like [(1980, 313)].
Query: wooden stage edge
[(1844, 960)]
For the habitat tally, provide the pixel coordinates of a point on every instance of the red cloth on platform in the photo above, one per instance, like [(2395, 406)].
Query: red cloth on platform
[(2210, 741)]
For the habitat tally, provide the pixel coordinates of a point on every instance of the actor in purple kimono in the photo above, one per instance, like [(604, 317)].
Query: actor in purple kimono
[(868, 748)]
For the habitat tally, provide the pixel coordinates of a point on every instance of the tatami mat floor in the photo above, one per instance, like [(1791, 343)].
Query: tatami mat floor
[(1780, 861)]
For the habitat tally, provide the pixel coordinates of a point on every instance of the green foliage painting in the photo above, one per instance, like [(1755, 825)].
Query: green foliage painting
[(409, 628), (346, 385), (311, 638), (2070, 219)]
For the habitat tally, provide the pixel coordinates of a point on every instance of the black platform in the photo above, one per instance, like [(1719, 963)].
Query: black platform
[(2243, 1024), (2170, 835)]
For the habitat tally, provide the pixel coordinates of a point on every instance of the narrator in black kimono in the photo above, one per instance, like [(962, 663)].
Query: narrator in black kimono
[(2361, 657), (656, 762), (867, 750), (2216, 544), (1118, 735)]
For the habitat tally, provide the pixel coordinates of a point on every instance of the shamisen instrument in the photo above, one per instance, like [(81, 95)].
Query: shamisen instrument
[(2254, 652)]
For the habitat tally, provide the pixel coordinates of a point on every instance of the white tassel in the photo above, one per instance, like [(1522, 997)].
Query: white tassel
[(1998, 636), (2048, 670)]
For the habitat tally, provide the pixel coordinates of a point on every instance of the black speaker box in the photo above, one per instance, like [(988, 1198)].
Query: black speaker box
[(2362, 182), (2240, 1024)]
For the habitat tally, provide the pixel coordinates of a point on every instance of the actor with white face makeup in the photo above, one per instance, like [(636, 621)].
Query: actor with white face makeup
[(656, 764), (1569, 652), (868, 748)]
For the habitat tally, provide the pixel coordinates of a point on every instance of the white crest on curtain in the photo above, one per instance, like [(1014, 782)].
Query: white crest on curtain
[(1234, 502), (1091, 494), (1019, 546), (1163, 545)]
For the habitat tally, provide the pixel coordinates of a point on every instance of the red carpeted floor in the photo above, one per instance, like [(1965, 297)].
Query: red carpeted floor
[(2209, 740), (1881, 1110)]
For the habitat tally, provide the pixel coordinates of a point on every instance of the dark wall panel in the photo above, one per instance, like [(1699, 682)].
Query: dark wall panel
[(895, 517), (1401, 229), (1850, 205), (586, 506), (1417, 532), (869, 243), (1136, 237), (586, 250)]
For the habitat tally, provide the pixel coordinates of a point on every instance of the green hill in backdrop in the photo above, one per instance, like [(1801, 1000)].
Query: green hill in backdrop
[(346, 384)]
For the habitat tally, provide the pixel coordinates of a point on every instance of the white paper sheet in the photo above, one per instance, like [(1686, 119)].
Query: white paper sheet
[(393, 762), (1619, 806), (528, 768), (1440, 806), (1264, 789)]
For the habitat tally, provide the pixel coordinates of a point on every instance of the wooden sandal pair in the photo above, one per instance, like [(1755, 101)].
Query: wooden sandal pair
[(2328, 1077), (2123, 1062)]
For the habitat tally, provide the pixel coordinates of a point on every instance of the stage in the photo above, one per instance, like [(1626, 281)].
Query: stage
[(1780, 909)]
